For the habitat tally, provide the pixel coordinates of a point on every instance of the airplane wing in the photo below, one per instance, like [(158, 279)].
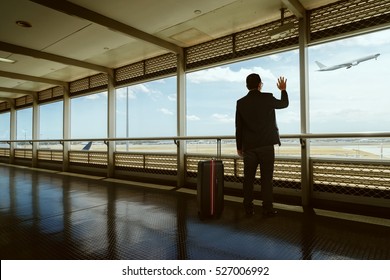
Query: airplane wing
[(333, 67), (347, 65), (320, 65)]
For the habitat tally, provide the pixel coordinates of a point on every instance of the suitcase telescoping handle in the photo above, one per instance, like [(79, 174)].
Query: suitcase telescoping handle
[(219, 148)]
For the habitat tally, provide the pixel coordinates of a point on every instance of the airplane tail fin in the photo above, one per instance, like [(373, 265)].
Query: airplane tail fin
[(320, 65), (88, 146)]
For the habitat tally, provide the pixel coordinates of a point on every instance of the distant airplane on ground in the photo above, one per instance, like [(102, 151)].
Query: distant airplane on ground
[(347, 65), (87, 147)]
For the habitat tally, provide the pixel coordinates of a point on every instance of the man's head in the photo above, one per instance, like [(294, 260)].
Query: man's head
[(253, 81)]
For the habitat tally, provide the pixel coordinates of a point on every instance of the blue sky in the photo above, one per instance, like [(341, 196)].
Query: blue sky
[(213, 93), (344, 100), (355, 99)]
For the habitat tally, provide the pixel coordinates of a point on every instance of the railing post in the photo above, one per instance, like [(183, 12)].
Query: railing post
[(306, 177)]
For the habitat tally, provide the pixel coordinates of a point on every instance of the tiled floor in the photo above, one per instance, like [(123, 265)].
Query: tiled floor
[(49, 215)]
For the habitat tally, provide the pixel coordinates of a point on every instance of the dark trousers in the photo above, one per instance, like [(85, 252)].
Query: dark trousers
[(265, 157)]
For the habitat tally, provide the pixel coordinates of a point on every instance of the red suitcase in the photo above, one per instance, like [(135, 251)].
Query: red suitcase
[(210, 186)]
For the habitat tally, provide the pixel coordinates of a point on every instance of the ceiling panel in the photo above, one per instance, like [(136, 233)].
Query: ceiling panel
[(31, 86), (153, 16), (127, 54), (88, 42), (215, 24), (68, 73), (27, 65), (9, 83), (48, 26), (181, 22), (310, 4), (5, 95)]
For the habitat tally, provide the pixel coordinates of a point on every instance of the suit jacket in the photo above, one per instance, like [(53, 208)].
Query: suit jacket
[(255, 119)]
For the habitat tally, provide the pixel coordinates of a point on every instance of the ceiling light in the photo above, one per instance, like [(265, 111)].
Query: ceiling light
[(23, 23), (197, 12), (283, 29), (6, 60)]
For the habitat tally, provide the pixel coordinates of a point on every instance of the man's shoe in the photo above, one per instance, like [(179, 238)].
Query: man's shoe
[(270, 213)]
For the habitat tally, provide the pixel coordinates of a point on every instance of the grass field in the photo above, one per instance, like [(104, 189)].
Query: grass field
[(332, 149)]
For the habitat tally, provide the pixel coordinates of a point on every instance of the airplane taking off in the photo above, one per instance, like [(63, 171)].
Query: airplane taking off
[(347, 65)]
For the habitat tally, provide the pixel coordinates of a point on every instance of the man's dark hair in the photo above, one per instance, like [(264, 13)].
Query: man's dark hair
[(253, 81)]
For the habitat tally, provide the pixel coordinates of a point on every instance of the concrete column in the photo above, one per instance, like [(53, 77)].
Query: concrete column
[(181, 119), (66, 127), (306, 182), (12, 136), (35, 130), (111, 125)]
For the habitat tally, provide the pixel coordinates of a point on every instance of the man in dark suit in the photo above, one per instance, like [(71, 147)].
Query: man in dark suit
[(256, 135)]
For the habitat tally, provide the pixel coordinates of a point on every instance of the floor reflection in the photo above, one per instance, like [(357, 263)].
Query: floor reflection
[(52, 216)]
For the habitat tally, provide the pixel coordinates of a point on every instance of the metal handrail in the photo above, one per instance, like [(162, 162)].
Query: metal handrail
[(344, 135), (213, 137)]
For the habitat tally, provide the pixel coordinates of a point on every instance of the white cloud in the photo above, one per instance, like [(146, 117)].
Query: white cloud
[(193, 118), (131, 91), (165, 111), (287, 116), (122, 95), (92, 97), (275, 57), (223, 118), (356, 45), (374, 39), (95, 96), (139, 88), (172, 97), (225, 74)]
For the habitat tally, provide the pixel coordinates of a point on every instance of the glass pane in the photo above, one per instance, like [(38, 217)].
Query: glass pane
[(212, 93), (51, 121), (89, 116), (147, 110), (5, 126), (351, 96), (24, 124)]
